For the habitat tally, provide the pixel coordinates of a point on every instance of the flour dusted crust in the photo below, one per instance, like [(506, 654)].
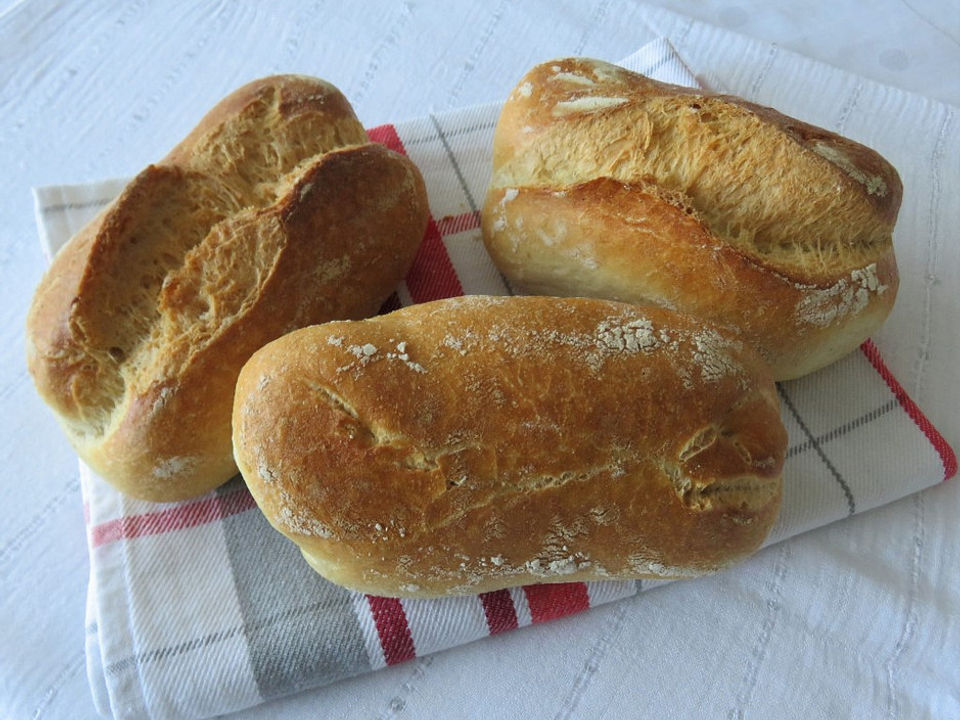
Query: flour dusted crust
[(609, 184), (478, 443), (274, 213)]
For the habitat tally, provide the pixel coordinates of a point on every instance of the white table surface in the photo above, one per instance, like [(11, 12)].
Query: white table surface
[(90, 90)]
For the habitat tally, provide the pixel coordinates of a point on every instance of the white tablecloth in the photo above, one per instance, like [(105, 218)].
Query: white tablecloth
[(857, 619)]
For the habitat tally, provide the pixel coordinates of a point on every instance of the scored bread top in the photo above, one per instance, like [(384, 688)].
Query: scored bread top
[(273, 213), (743, 169), (609, 184), (476, 443)]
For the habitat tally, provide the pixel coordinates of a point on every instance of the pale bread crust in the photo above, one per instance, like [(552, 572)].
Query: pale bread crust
[(477, 443), (275, 212), (609, 184)]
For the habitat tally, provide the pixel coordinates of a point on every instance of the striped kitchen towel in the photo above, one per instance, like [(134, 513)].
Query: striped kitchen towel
[(199, 608)]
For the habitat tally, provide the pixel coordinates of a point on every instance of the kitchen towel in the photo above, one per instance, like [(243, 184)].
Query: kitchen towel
[(199, 608)]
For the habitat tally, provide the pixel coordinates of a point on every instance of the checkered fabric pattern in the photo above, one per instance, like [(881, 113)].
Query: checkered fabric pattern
[(200, 607)]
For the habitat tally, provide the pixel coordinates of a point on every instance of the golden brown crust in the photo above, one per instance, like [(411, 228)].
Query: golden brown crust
[(738, 203), (478, 443), (562, 243), (274, 213), (863, 171)]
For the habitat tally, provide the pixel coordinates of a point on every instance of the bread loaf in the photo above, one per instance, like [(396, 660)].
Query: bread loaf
[(274, 213), (478, 443), (609, 184)]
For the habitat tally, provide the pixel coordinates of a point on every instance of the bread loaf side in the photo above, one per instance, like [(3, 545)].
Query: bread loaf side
[(274, 213), (479, 443), (609, 184)]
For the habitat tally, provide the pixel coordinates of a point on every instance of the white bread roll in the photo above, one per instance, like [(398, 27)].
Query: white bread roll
[(609, 184), (274, 213), (478, 443)]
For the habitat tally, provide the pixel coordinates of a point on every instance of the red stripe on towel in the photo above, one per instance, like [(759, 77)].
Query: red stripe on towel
[(500, 612), (947, 456), (392, 628), (452, 224), (387, 135), (432, 276), (551, 601), (208, 509)]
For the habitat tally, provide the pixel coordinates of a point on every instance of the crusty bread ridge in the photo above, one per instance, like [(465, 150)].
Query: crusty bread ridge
[(275, 212), (609, 184), (478, 443)]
